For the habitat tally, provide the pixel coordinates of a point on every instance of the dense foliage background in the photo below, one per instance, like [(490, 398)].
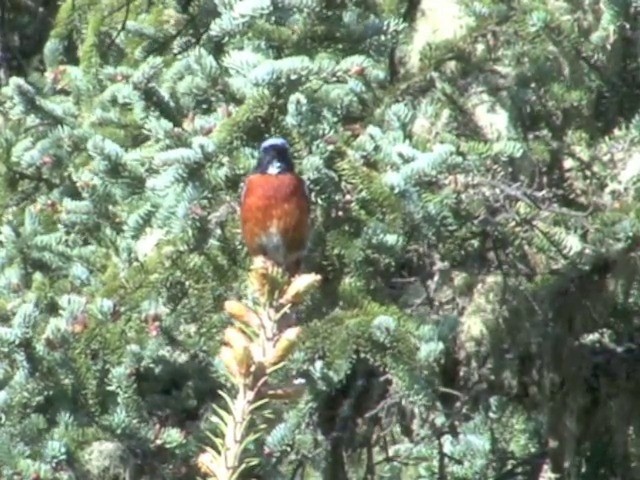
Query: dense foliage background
[(474, 167)]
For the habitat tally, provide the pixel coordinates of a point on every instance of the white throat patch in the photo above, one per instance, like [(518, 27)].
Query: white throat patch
[(274, 168)]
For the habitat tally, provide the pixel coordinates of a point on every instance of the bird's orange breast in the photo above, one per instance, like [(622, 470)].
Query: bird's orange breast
[(275, 208)]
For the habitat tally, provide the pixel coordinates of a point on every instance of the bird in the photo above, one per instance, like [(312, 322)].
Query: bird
[(275, 208)]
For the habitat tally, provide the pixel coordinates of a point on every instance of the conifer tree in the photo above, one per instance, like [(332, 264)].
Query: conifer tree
[(475, 226)]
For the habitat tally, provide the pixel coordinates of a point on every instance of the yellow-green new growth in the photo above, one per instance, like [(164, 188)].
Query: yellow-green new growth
[(261, 339)]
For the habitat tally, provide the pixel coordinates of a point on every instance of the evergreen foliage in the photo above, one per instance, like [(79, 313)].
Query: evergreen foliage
[(476, 229)]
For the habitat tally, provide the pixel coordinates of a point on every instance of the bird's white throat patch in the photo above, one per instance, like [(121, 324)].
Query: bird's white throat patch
[(274, 168)]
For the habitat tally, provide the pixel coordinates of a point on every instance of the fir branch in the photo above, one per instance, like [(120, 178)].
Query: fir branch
[(259, 343)]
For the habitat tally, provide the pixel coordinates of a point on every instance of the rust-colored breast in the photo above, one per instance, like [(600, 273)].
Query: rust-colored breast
[(275, 204)]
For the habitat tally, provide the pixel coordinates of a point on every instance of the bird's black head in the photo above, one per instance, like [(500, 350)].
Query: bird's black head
[(275, 157)]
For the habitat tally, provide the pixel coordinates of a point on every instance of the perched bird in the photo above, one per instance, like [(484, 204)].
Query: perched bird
[(275, 208)]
